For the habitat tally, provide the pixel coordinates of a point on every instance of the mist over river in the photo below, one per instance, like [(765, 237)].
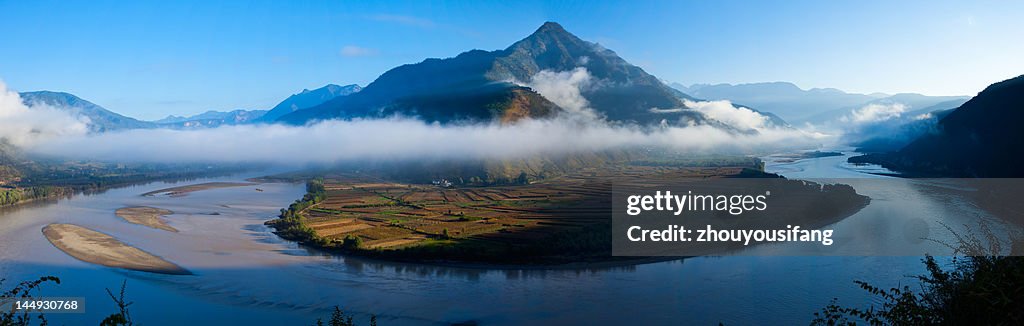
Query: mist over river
[(245, 274)]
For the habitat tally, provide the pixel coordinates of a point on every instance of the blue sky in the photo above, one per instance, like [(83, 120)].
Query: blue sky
[(150, 59)]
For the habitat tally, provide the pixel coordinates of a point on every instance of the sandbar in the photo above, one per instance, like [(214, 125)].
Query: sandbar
[(185, 190), (98, 248), (147, 216)]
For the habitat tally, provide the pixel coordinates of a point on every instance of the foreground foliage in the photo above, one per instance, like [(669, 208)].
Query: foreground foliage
[(980, 288), (340, 318), (975, 291), (23, 291)]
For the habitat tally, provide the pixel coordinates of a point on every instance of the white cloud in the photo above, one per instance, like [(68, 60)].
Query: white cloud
[(875, 113), (924, 116), (657, 110), (357, 51), (564, 88), (723, 111), (580, 129), (24, 126), (403, 139)]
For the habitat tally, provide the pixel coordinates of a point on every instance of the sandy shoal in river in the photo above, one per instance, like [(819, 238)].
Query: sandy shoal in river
[(185, 190), (148, 216), (98, 248)]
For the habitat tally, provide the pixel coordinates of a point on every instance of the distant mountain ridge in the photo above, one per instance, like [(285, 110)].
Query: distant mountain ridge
[(782, 98), (913, 103), (211, 119), (815, 105), (307, 99), (299, 101), (488, 85), (100, 119), (981, 138), (103, 120)]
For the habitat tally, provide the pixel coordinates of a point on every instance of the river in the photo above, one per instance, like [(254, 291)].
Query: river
[(245, 274)]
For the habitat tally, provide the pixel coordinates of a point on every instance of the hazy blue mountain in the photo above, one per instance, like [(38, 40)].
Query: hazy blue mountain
[(940, 108), (480, 86), (981, 138), (893, 134), (240, 116), (307, 99), (784, 99), (211, 119), (917, 101), (100, 119), (913, 104), (680, 87)]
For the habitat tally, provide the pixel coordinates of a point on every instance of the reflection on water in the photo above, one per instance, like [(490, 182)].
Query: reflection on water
[(245, 274)]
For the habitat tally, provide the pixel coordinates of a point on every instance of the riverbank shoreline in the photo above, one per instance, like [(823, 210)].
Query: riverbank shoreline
[(64, 192)]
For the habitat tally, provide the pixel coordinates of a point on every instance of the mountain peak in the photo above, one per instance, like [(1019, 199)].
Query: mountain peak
[(472, 84), (550, 33), (550, 27)]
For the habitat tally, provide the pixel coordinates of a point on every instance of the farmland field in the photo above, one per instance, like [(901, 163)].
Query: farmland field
[(559, 219)]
